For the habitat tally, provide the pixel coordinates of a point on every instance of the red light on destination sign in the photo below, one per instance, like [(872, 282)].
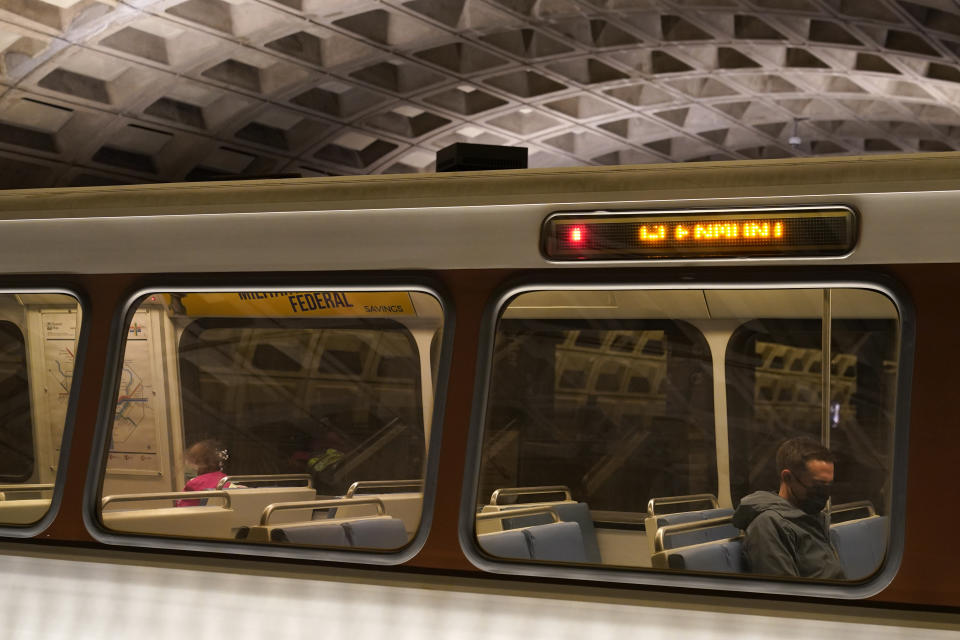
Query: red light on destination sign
[(577, 235)]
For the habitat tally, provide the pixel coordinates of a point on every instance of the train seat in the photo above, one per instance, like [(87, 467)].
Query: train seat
[(860, 544), (579, 512), (653, 523), (249, 502), (568, 511), (710, 532), (553, 542), (406, 507), (376, 533), (324, 534), (23, 511), (505, 544), (200, 521), (373, 532), (721, 556), (556, 542)]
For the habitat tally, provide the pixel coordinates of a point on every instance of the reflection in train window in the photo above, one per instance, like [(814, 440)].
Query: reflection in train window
[(570, 401), (38, 343), (774, 388), (274, 417), (625, 427)]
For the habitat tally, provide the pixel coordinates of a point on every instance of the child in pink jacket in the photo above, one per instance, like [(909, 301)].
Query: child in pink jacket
[(205, 458)]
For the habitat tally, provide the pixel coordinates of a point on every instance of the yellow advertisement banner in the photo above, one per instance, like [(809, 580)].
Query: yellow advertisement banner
[(308, 304)]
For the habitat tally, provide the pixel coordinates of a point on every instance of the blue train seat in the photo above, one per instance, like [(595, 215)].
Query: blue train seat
[(860, 544), (314, 533), (556, 542), (505, 544), (578, 512), (376, 533), (722, 556), (653, 523)]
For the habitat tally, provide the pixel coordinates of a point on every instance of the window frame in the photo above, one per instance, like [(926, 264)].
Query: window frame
[(780, 279), (34, 529), (108, 400)]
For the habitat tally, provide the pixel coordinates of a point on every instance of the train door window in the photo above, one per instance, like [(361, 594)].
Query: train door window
[(646, 416), (39, 336), (275, 419)]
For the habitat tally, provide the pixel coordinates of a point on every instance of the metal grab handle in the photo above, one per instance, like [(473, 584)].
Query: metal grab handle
[(696, 497), (688, 526), (282, 477), (523, 491), (170, 495), (382, 484), (515, 513), (839, 508), (14, 488), (318, 504)]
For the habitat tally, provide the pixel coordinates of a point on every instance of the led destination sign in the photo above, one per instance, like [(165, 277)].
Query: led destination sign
[(778, 232)]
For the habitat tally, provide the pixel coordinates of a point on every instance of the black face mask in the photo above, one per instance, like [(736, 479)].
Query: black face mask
[(816, 500)]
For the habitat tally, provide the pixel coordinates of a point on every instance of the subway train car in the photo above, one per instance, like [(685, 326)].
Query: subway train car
[(489, 404)]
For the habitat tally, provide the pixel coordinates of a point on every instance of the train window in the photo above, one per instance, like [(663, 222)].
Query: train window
[(39, 336), (274, 419), (640, 429)]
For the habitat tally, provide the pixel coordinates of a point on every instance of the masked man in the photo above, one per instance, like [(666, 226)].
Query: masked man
[(787, 533)]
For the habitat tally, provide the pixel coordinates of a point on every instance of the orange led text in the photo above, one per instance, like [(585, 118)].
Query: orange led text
[(723, 231), (654, 233)]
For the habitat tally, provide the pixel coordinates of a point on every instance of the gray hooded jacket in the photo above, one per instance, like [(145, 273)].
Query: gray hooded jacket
[(782, 540)]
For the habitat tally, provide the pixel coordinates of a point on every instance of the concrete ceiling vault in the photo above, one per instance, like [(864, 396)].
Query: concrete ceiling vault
[(124, 91)]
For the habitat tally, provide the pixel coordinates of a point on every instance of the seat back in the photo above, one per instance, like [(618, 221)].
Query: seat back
[(720, 556), (653, 523), (556, 542), (376, 533), (324, 534), (567, 511), (23, 511), (673, 536), (193, 522), (505, 544), (579, 512), (861, 545), (553, 542), (406, 507), (248, 503), (518, 522)]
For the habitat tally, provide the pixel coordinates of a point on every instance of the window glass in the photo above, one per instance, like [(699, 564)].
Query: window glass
[(38, 343), (296, 418), (620, 411), (775, 387), (16, 427), (641, 428)]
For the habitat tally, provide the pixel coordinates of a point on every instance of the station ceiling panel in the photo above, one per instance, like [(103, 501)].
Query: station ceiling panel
[(110, 91)]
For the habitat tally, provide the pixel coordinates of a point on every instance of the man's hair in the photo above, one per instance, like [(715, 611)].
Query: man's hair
[(794, 454)]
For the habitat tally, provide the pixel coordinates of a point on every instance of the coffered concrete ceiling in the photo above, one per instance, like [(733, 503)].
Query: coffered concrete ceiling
[(123, 91)]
